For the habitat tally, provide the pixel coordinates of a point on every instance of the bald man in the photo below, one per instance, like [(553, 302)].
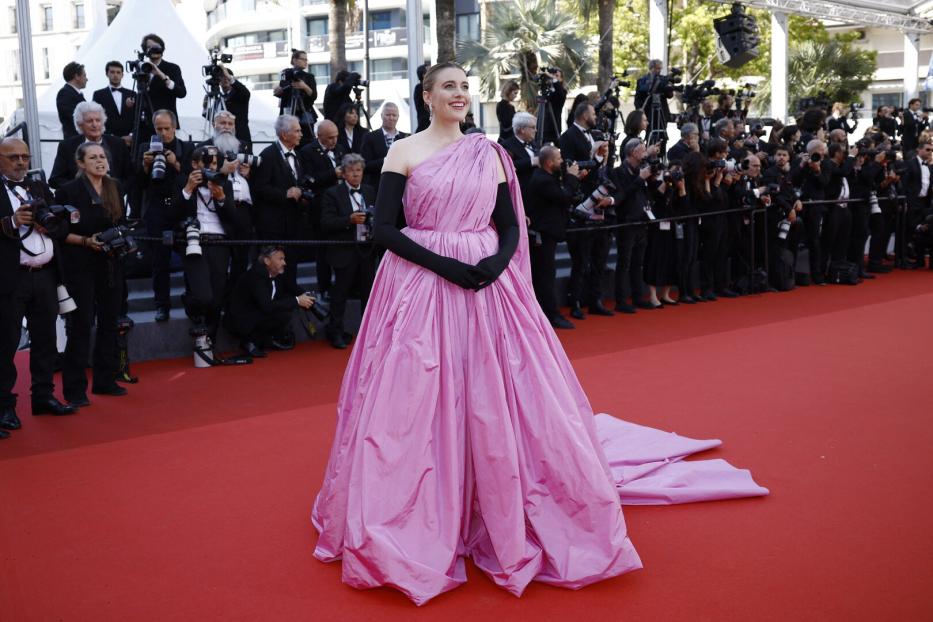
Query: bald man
[(376, 144), (29, 276)]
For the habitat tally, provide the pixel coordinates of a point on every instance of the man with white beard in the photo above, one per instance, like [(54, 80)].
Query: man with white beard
[(225, 140)]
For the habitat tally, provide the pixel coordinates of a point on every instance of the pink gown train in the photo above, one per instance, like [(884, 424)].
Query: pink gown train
[(463, 431)]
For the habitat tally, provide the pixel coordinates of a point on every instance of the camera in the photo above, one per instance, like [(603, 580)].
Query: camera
[(292, 74), (158, 162), (307, 188), (356, 79), (141, 69), (49, 216), (783, 229), (213, 70), (320, 309), (117, 242), (854, 111), (757, 130), (587, 210), (192, 236), (545, 83), (673, 175), (364, 232), (816, 157), (243, 158), (215, 177)]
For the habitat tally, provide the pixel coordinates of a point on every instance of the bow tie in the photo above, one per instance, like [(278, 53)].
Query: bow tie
[(290, 154), (114, 89), (14, 184), (355, 191)]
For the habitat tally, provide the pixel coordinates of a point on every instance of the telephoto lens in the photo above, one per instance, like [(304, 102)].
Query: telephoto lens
[(783, 229), (158, 163), (192, 237)]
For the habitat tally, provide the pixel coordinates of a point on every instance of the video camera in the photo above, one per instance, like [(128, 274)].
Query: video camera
[(140, 69), (820, 101), (545, 80), (117, 242), (293, 74), (356, 80), (611, 96), (213, 70), (855, 111)]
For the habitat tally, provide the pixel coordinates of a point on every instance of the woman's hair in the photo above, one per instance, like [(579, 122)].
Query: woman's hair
[(774, 137), (633, 122), (296, 53), (342, 114), (694, 166), (839, 107), (787, 134), (110, 195), (507, 87), (430, 76), (812, 120), (579, 99)]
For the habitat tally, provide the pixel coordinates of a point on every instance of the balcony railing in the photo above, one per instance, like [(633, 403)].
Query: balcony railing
[(270, 49), (354, 41)]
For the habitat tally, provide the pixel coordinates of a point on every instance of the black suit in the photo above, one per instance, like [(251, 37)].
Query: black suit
[(253, 313), (837, 224), (277, 217), (348, 262), (589, 251), (95, 281), (160, 95), (119, 122), (917, 206), (335, 96), (65, 168), (678, 152), (548, 203), (66, 101), (29, 294), (522, 161), (644, 88), (812, 187), (359, 135), (374, 151)]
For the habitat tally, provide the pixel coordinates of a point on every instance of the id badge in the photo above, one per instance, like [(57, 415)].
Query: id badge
[(679, 230), (650, 214), (875, 209), (665, 226)]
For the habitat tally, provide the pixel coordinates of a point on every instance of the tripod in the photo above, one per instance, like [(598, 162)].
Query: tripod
[(142, 116), (657, 128), (361, 111), (214, 102), (545, 119)]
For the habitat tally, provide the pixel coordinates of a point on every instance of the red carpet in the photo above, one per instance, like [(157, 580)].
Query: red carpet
[(189, 499)]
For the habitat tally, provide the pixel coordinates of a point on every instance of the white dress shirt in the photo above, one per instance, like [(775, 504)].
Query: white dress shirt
[(31, 239), (117, 97), (292, 162), (924, 177)]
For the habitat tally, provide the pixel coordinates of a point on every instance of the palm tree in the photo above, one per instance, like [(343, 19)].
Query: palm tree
[(519, 35), (337, 35), (446, 30), (604, 10)]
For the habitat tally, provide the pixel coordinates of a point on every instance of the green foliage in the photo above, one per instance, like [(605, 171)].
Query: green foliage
[(519, 35)]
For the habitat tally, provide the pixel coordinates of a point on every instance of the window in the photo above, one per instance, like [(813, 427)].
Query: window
[(388, 69), (47, 22), (260, 82), (78, 15), (468, 27), (252, 38), (885, 99), (321, 73), (45, 64), (354, 66), (316, 26), (13, 20), (380, 20)]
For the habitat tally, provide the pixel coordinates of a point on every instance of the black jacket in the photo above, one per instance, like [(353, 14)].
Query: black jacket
[(549, 201), (840, 123), (835, 173), (812, 184), (678, 152), (633, 194), (505, 112), (160, 212), (912, 182), (9, 236), (66, 101), (335, 96), (575, 146), (304, 103), (94, 219), (159, 93), (374, 151), (522, 161), (315, 163), (276, 216), (119, 122), (251, 299), (237, 103), (359, 135), (65, 167), (335, 221)]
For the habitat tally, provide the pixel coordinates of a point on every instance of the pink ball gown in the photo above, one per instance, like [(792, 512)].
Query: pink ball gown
[(463, 431)]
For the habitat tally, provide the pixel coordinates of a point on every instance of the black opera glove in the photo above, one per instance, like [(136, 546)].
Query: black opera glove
[(388, 205), (503, 216)]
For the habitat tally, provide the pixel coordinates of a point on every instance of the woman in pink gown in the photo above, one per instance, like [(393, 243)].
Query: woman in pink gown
[(462, 429)]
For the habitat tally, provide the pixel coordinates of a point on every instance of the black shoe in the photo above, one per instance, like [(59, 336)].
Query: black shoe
[(727, 293), (599, 309), (624, 308), (162, 314), (576, 312), (4, 434), (561, 322), (818, 280), (281, 345), (879, 268), (865, 275), (687, 300), (669, 303), (51, 406), (709, 296), (644, 304), (114, 390), (9, 420), (78, 401), (338, 343), (252, 350)]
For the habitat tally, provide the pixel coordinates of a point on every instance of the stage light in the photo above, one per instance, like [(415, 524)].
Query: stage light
[(736, 37)]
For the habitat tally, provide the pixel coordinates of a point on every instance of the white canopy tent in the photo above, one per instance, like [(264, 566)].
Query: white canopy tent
[(119, 42)]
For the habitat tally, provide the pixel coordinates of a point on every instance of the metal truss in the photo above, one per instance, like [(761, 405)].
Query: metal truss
[(824, 9)]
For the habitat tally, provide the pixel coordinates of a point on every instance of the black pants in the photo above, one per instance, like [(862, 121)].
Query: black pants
[(589, 252), (714, 252), (34, 298), (544, 275), (837, 228), (161, 262), (859, 235), (291, 255), (813, 222), (97, 292), (360, 267), (631, 243), (206, 280), (273, 326), (686, 250)]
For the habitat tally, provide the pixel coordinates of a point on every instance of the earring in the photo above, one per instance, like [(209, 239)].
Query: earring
[(430, 110)]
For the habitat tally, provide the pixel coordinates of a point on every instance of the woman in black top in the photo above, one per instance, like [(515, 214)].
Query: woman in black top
[(94, 279), (702, 181), (348, 126), (505, 110), (636, 123)]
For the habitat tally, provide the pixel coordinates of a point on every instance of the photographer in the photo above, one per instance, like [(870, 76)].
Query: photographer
[(276, 188), (725, 110), (915, 122), (297, 92), (551, 194), (421, 109), (160, 213), (262, 304), (916, 185), (346, 215), (839, 120), (709, 195), (863, 189), (522, 149), (207, 198), (589, 250), (809, 175), (338, 92), (166, 84), (651, 94), (689, 142), (93, 276), (69, 96), (637, 187), (886, 176), (887, 122), (377, 143), (90, 119), (350, 134), (28, 280), (556, 99), (837, 223), (236, 101), (785, 229), (118, 103), (748, 192)]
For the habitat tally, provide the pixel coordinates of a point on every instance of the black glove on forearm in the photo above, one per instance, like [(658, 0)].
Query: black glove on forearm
[(503, 216), (388, 205)]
